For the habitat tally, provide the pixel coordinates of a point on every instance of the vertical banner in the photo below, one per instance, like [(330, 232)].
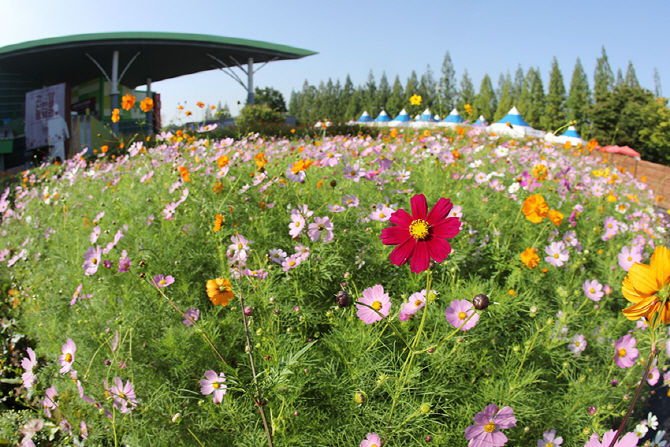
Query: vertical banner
[(39, 109)]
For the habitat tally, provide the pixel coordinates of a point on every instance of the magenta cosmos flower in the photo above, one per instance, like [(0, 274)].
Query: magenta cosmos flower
[(489, 422), (423, 235), (162, 281), (30, 365), (67, 359), (378, 300), (92, 259), (625, 352), (371, 440), (458, 313), (593, 289), (213, 383), (630, 440), (549, 439)]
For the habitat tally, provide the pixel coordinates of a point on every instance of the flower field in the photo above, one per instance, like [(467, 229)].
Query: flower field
[(414, 288)]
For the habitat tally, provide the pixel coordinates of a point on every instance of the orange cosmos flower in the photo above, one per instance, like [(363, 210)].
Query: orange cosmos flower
[(556, 217), (200, 104), (260, 160), (222, 161), (218, 187), (184, 174), (218, 221), (530, 258), (146, 105), (535, 208), (292, 130), (468, 108), (648, 287), (128, 101), (219, 291), (213, 107), (104, 149), (394, 133), (567, 145), (426, 133), (180, 107), (540, 172), (301, 165), (188, 113), (115, 116)]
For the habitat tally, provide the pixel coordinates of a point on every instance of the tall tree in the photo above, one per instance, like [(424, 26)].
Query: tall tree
[(518, 86), (619, 78), (355, 106), (293, 103), (499, 89), (579, 99), (603, 77), (396, 101), (428, 89), (383, 92), (631, 77), (411, 89), (345, 98), (337, 92), (370, 96), (271, 98), (485, 101), (554, 112), (466, 95), (505, 103), (658, 91), (448, 89), (532, 103)]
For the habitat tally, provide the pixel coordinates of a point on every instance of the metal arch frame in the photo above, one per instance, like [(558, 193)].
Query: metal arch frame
[(249, 71)]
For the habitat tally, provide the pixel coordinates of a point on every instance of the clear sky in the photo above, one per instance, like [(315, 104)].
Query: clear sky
[(354, 37)]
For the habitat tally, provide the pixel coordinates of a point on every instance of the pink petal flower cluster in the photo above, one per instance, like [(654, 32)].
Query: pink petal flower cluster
[(489, 423)]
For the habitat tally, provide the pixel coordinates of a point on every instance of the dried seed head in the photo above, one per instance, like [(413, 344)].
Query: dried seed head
[(343, 298)]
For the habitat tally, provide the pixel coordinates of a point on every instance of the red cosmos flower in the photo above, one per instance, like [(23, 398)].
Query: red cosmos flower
[(420, 237)]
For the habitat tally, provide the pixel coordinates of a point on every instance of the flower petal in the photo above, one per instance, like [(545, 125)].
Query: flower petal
[(440, 211), (403, 252), (395, 235), (438, 249), (447, 228), (419, 207), (643, 279), (660, 264), (420, 258), (401, 218)]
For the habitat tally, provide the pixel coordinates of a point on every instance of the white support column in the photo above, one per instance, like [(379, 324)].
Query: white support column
[(114, 94), (150, 113), (250, 87)]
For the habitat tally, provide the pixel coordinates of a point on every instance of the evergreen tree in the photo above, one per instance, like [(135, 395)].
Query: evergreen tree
[(466, 95), (554, 113), (396, 101), (603, 76), (428, 90), (370, 96), (335, 113), (631, 77), (518, 86), (307, 97), (355, 106), (658, 91), (485, 102), (619, 78), (317, 103), (532, 102), (383, 93), (293, 104), (345, 98), (505, 103), (579, 99), (499, 89), (411, 89), (448, 90)]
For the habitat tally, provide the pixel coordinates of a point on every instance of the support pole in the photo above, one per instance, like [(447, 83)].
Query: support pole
[(114, 94), (250, 88), (150, 113)]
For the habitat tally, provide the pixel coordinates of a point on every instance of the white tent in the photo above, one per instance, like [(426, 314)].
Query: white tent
[(570, 135), (383, 119), (514, 125), (452, 120), (364, 118), (481, 121), (402, 119), (424, 120)]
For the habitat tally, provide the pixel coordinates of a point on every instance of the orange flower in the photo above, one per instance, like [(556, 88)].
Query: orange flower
[(319, 184), (213, 107), (180, 107), (456, 154), (219, 291), (218, 187), (184, 174), (260, 160), (128, 101), (222, 161), (567, 145), (648, 287), (115, 116), (530, 258), (468, 108), (104, 149), (200, 104), (301, 165), (556, 217), (535, 208), (146, 105), (394, 133), (218, 221), (540, 172), (643, 179)]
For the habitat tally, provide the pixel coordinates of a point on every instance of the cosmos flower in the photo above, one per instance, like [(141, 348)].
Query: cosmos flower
[(29, 364), (578, 344), (162, 281), (219, 291), (67, 359), (92, 260), (628, 257), (124, 396), (645, 285), (530, 258), (213, 384), (625, 353), (535, 208), (593, 289), (371, 440), (557, 254), (549, 439), (486, 432), (127, 101), (376, 299), (459, 311)]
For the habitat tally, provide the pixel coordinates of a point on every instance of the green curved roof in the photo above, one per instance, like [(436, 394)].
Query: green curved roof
[(162, 55)]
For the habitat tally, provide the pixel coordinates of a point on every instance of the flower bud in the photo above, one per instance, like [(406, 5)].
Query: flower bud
[(480, 301), (592, 410), (425, 408), (176, 418), (432, 264), (343, 298), (248, 311), (360, 397), (333, 183)]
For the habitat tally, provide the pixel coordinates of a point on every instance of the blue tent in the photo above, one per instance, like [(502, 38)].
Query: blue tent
[(383, 117), (454, 117), (514, 118), (402, 119), (481, 121), (513, 125), (426, 117), (365, 118)]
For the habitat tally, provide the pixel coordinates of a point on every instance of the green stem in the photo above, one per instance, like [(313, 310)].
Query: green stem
[(518, 215), (525, 354)]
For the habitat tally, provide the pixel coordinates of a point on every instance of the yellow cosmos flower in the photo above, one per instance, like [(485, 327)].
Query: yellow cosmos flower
[(218, 222), (415, 100), (648, 287), (301, 165), (556, 217), (115, 116)]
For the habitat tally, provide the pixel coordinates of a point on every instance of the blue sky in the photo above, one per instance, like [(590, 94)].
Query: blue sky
[(353, 37)]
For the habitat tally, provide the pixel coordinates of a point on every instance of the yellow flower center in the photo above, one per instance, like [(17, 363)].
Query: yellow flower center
[(123, 396), (297, 224), (609, 225), (622, 352), (381, 215), (68, 357), (549, 444), (330, 155), (568, 241), (320, 227), (353, 173), (216, 385), (556, 256), (94, 261), (239, 246), (592, 290), (161, 282), (291, 263), (577, 344), (419, 229), (488, 428), (462, 315), (376, 305), (651, 376), (629, 259), (417, 303)]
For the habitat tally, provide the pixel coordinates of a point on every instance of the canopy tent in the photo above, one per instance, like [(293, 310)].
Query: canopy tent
[(402, 119), (453, 119), (570, 135), (513, 125), (481, 121), (382, 118), (364, 118), (423, 120), (625, 150)]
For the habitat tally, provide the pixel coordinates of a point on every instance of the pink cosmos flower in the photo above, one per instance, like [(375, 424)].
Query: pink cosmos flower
[(628, 257), (95, 235), (489, 422), (578, 344), (291, 262), (92, 260), (376, 299), (302, 251), (123, 395), (240, 246), (630, 440), (30, 365), (49, 402), (549, 439), (162, 281), (458, 313), (381, 214), (611, 228), (192, 315), (653, 376), (213, 383), (297, 225), (625, 353), (67, 359), (124, 264), (277, 255), (350, 200), (416, 301), (337, 208), (371, 440), (593, 290), (76, 295), (29, 430), (321, 225), (558, 255), (83, 429)]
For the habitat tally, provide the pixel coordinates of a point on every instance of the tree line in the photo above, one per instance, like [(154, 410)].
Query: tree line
[(616, 111)]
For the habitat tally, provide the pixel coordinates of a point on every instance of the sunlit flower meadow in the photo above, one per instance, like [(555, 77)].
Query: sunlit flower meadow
[(415, 288)]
